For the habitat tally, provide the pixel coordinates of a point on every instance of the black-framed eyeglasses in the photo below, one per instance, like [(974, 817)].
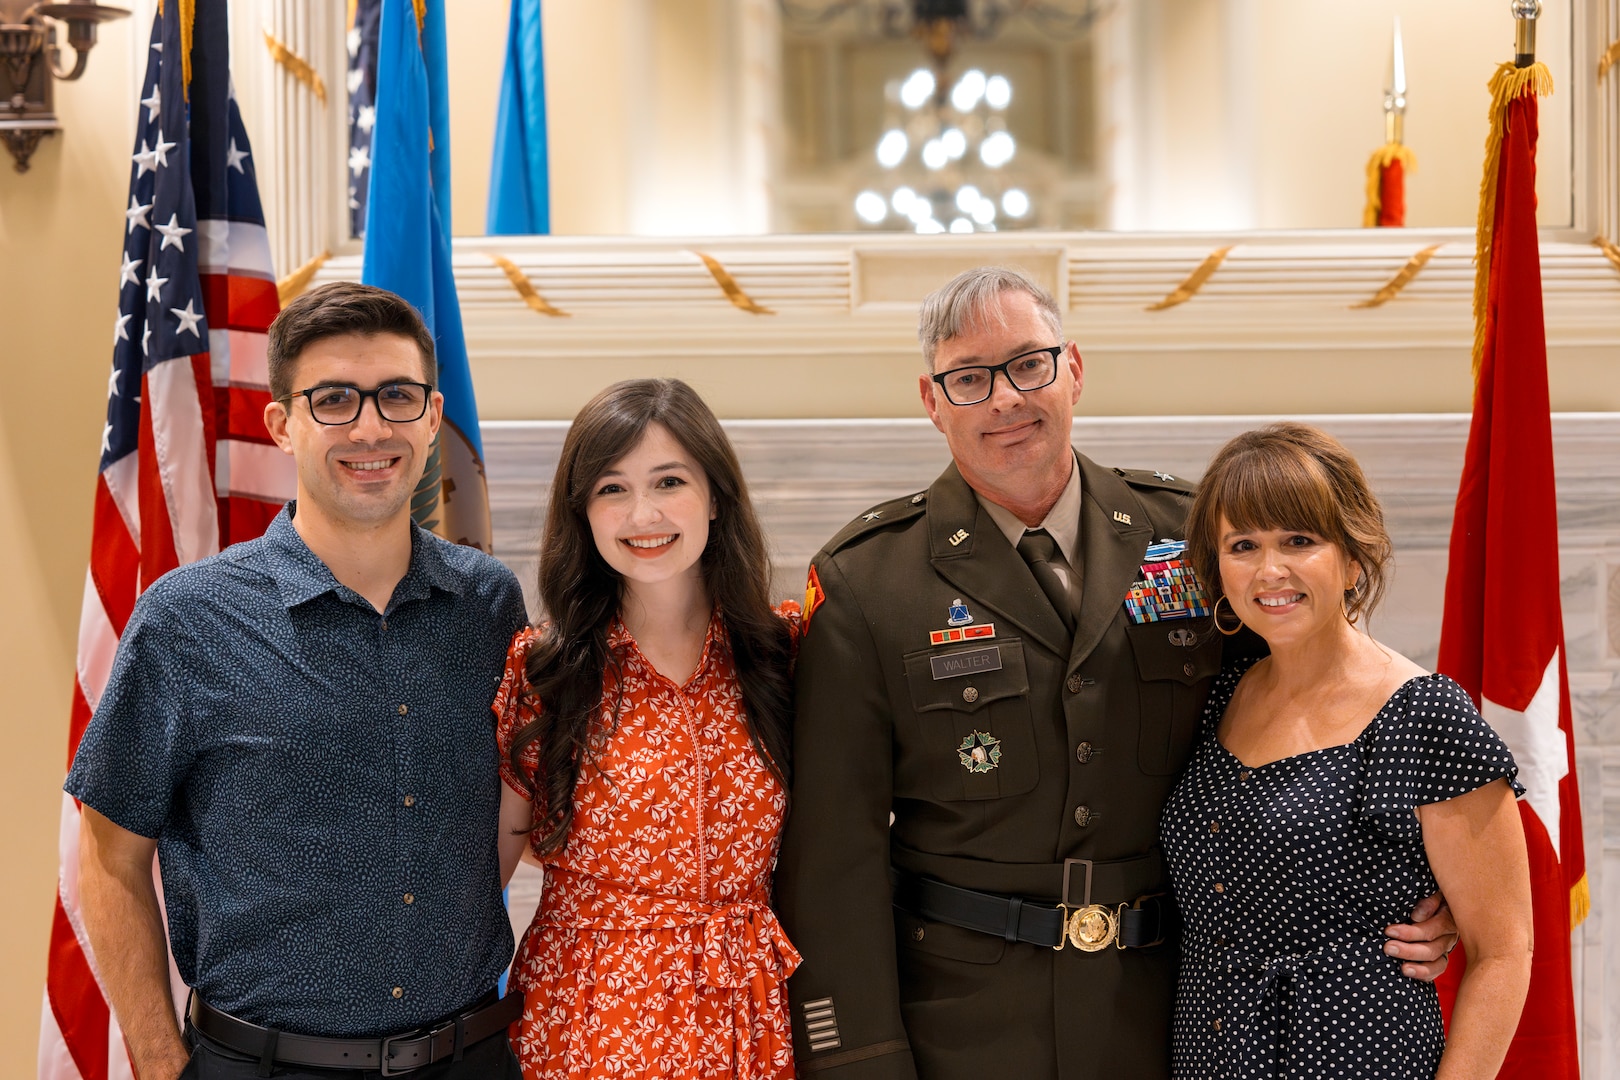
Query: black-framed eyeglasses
[(337, 403), (1027, 371)]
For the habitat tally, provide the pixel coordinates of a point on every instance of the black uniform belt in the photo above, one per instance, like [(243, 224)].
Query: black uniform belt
[(391, 1056), (1135, 923)]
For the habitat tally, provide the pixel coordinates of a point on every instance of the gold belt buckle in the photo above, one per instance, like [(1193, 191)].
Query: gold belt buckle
[(1090, 927)]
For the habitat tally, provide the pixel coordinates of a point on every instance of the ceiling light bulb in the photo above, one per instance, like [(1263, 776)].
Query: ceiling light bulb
[(997, 149), (917, 89), (1015, 202), (997, 92), (870, 207), (902, 199), (891, 148), (967, 197), (961, 225), (954, 142), (985, 212), (934, 155), (968, 90), (928, 226)]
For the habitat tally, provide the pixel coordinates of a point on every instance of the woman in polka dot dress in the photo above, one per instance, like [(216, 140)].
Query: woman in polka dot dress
[(1335, 785), (644, 731)]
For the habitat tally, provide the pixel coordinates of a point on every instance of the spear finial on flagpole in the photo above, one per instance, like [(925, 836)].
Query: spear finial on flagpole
[(1389, 164), (1525, 13), (1395, 90)]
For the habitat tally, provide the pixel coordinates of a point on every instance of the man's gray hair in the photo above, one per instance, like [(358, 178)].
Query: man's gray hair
[(974, 296)]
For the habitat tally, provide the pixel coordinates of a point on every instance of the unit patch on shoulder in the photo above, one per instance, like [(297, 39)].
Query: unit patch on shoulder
[(813, 596)]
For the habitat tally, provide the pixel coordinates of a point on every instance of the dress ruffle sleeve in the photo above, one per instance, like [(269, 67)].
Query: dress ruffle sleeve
[(514, 707), (1429, 744), (788, 611)]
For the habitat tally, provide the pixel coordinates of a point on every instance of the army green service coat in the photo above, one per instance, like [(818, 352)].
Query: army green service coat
[(1092, 735)]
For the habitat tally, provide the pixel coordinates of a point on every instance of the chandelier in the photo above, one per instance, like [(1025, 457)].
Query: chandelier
[(946, 160), (944, 156)]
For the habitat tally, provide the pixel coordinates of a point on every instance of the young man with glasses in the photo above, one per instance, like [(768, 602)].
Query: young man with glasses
[(978, 668), (299, 728)]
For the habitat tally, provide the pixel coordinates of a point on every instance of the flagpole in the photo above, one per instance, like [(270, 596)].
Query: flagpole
[(1525, 13)]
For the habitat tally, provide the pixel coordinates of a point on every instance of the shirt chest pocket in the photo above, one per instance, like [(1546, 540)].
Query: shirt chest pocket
[(1176, 661), (972, 708)]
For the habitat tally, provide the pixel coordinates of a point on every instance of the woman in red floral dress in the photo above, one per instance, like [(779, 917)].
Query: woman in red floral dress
[(644, 732)]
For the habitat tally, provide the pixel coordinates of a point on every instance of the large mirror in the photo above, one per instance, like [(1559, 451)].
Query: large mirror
[(725, 117)]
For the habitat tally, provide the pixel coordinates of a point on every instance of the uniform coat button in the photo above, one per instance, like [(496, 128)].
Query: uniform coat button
[(1073, 684), (1084, 751), (1188, 668), (1084, 815)]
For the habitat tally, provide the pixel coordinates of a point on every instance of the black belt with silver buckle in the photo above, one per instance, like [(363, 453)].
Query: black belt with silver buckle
[(1133, 924), (391, 1056)]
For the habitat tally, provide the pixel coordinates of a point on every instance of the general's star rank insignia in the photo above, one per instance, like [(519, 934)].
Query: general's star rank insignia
[(979, 752), (813, 596)]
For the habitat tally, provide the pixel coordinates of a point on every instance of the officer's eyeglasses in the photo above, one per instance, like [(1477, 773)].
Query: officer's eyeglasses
[(1028, 371), (336, 403)]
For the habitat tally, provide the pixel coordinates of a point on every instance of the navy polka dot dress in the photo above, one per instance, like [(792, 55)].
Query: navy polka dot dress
[(1287, 874)]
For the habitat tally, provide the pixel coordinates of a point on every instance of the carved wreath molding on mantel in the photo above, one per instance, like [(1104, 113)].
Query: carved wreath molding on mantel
[(1269, 290)]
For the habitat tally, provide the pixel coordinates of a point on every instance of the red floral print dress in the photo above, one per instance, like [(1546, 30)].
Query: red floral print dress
[(654, 952)]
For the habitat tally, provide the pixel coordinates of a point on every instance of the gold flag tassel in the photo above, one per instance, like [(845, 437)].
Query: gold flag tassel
[(1381, 159), (1508, 83), (293, 285), (296, 66), (1195, 280), (1401, 280), (188, 19), (1580, 902), (525, 288)]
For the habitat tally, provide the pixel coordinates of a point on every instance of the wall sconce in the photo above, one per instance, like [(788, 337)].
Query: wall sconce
[(30, 62)]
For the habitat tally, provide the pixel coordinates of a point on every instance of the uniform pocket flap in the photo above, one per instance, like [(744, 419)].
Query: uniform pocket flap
[(966, 679), (1183, 650)]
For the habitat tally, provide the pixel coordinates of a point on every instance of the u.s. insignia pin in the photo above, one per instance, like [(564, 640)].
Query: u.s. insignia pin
[(979, 752)]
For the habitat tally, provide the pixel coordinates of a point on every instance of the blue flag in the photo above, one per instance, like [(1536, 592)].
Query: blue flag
[(519, 178), (408, 252)]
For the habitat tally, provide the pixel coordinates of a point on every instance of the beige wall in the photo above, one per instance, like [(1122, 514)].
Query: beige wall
[(59, 229)]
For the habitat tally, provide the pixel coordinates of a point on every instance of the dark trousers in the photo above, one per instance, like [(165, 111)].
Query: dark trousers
[(491, 1059)]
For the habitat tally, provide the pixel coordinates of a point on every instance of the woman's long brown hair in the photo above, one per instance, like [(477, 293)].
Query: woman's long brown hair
[(568, 665)]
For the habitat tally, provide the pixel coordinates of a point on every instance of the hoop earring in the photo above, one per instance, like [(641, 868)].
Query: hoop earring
[(1215, 613), (1349, 615)]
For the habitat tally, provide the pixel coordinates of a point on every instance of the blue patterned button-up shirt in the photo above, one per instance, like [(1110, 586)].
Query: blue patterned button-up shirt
[(321, 780)]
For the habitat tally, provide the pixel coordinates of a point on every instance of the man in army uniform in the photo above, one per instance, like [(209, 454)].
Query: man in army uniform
[(971, 667)]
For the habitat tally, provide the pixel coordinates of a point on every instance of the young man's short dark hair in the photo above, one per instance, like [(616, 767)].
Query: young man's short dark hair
[(342, 307)]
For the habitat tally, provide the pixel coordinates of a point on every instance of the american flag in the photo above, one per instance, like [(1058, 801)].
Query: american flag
[(186, 465), (364, 17)]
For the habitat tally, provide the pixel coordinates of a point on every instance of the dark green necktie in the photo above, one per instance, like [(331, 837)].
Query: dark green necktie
[(1040, 551)]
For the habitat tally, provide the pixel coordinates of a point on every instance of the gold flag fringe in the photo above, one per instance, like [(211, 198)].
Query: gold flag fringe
[(525, 288), (1580, 902), (1508, 83), (1402, 279), (1195, 280), (420, 6), (1381, 160), (354, 12), (188, 20), (296, 66), (1607, 60), (293, 285), (1610, 252), (729, 286)]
